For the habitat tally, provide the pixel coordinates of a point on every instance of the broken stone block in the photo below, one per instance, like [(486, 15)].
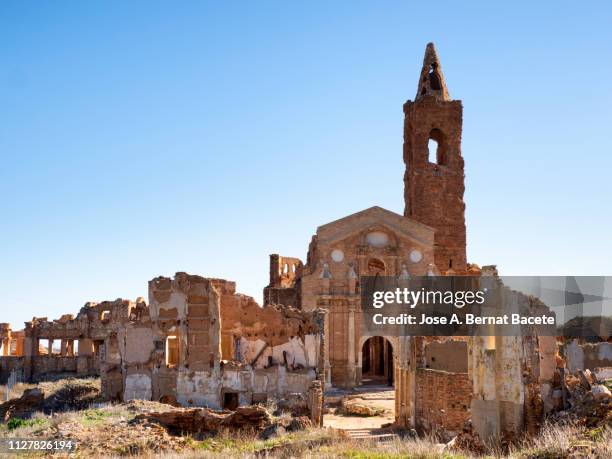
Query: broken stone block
[(356, 407), (584, 380), (198, 420), (601, 392)]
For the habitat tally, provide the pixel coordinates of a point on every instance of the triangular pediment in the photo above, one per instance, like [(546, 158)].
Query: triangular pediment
[(375, 217)]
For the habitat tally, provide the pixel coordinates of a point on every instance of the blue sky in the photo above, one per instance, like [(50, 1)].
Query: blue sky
[(138, 139)]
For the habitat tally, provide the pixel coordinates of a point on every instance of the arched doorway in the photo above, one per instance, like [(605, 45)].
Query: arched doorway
[(377, 361)]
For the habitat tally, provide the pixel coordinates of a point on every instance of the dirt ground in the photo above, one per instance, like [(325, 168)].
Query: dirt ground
[(376, 396)]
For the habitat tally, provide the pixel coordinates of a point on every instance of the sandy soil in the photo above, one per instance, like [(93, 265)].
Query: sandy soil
[(375, 396)]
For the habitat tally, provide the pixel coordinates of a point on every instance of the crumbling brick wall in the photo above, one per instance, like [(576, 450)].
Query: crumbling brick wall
[(68, 344), (285, 273), (443, 400), (201, 343)]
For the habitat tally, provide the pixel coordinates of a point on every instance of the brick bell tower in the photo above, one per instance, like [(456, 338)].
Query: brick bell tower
[(434, 178)]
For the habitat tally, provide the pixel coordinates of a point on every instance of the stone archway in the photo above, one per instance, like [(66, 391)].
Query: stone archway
[(376, 360)]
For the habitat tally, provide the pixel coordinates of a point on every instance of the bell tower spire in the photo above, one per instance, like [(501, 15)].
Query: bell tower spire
[(431, 81), (434, 178)]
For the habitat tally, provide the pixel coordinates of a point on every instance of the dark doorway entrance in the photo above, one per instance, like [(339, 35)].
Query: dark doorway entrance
[(230, 401), (377, 361)]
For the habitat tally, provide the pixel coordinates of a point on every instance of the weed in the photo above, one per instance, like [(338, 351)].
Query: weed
[(18, 423)]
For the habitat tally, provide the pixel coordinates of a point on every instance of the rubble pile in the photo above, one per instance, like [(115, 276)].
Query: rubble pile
[(284, 425), (299, 423), (199, 420), (467, 440), (588, 400), (24, 406), (71, 396), (121, 438)]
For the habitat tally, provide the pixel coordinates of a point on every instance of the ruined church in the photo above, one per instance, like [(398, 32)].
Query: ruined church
[(429, 237), (197, 342)]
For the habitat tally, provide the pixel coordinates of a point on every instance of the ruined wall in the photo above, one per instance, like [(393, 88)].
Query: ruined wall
[(513, 376), (185, 313), (433, 389), (68, 345), (201, 344), (249, 326), (443, 389), (173, 349), (449, 355), (511, 382), (443, 400), (404, 382), (582, 356), (284, 274)]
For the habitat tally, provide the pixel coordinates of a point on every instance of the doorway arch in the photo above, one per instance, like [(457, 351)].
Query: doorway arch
[(377, 361)]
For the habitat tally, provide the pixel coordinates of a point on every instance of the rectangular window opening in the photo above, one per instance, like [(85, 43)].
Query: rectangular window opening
[(172, 351)]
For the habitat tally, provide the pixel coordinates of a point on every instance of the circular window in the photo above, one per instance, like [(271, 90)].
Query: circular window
[(377, 239), (416, 256), (337, 255)]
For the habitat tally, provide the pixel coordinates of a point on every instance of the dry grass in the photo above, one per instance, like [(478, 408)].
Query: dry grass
[(108, 430), (311, 443), (566, 441)]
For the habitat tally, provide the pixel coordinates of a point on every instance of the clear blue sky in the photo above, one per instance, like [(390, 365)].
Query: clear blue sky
[(143, 138)]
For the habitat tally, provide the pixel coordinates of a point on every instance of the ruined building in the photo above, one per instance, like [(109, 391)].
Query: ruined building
[(429, 238), (198, 342)]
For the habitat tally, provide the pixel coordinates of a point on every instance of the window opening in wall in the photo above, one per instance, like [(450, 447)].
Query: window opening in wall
[(97, 347), (43, 347), (69, 348), (432, 147), (436, 147), (172, 351), (434, 78)]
